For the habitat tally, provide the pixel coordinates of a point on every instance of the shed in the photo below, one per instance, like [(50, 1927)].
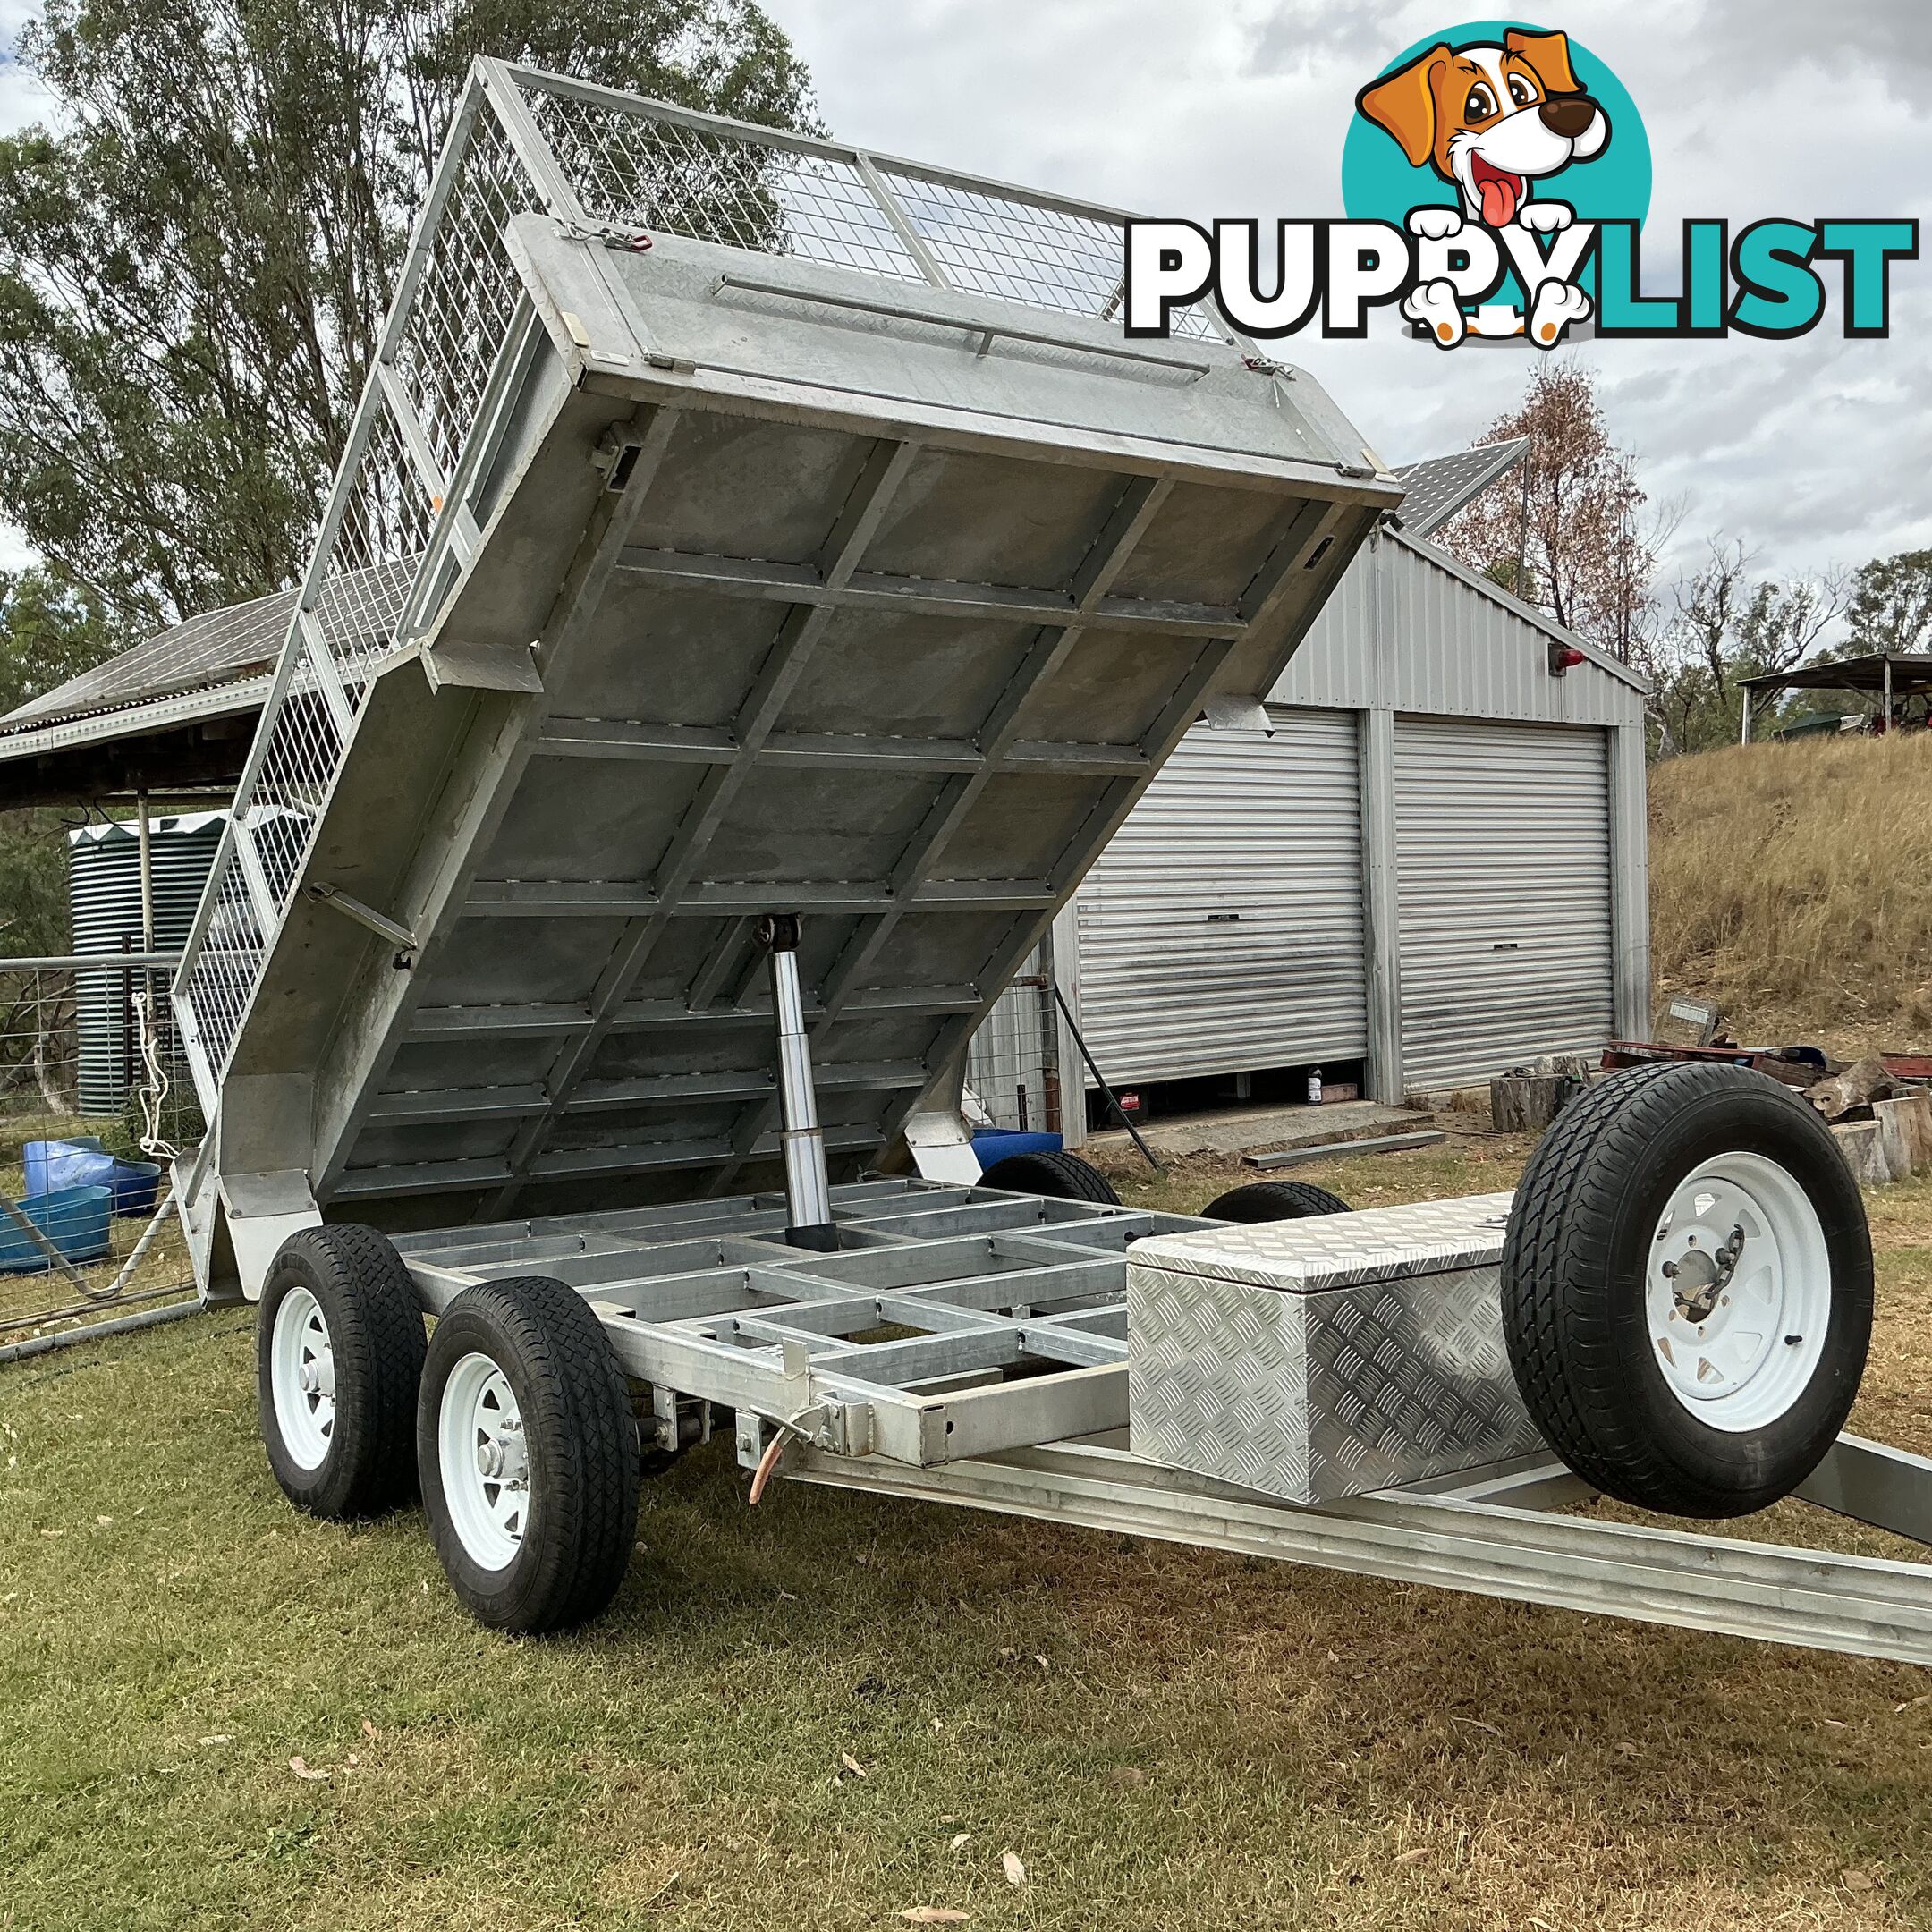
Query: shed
[(1889, 678), (1428, 862)]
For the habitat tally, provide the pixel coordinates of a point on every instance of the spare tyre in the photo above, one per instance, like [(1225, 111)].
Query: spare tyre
[(1687, 1288)]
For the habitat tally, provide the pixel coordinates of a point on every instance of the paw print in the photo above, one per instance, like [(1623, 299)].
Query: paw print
[(1546, 218), (1435, 224), (1435, 308), (1557, 305)]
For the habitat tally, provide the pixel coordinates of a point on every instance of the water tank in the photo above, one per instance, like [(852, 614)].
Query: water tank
[(104, 892)]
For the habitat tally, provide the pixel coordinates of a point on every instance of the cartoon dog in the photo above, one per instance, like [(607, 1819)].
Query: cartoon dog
[(1492, 119)]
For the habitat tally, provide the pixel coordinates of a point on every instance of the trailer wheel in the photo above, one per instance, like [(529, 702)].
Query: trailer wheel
[(1687, 1288), (1052, 1176), (339, 1351), (1275, 1201), (528, 1451)]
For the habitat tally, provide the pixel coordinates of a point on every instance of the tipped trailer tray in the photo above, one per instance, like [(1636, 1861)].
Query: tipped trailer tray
[(760, 578)]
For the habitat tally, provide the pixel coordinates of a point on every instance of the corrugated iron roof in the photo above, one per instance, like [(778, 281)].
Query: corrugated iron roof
[(217, 647), (1440, 486)]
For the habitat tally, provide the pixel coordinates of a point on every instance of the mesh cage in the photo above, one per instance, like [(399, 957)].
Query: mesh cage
[(456, 314), (609, 160), (634, 172), (633, 166), (460, 314)]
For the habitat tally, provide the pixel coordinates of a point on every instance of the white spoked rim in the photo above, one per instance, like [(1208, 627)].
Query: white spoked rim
[(1738, 1292), (485, 1462), (301, 1376)]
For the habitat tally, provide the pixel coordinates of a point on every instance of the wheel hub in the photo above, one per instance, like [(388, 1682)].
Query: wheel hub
[(1738, 1292), (485, 1460), (303, 1378), (1698, 1278)]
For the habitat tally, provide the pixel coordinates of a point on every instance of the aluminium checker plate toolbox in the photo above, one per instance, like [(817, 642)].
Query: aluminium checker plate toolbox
[(1325, 1357)]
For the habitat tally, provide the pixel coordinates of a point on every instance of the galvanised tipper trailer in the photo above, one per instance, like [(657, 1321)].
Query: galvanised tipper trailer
[(761, 577)]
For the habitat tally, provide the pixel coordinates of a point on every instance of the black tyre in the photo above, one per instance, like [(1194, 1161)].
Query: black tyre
[(1687, 1288), (1275, 1201), (338, 1353), (1053, 1177), (527, 1453)]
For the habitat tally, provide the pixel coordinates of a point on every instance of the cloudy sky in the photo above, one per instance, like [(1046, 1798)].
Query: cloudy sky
[(1813, 452)]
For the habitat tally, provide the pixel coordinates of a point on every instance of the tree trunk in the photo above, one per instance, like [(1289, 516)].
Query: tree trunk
[(1527, 1103)]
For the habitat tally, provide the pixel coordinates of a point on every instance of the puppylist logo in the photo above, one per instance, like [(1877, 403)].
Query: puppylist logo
[(1497, 178)]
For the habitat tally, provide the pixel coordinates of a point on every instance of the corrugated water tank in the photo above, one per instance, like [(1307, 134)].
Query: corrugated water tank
[(105, 895)]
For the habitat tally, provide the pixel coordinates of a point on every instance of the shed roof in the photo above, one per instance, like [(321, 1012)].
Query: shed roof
[(1439, 485), (214, 649), (173, 713), (1910, 674)]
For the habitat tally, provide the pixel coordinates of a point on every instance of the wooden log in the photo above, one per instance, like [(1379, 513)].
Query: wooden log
[(1527, 1103), (1864, 1151), (1859, 1085), (1905, 1132)]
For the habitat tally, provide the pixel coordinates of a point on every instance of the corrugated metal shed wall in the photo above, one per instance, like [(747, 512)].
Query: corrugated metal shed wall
[(1223, 928), (1446, 646), (1504, 889)]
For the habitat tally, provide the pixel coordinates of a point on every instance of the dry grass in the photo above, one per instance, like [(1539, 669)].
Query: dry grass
[(1794, 883), (1166, 1737)]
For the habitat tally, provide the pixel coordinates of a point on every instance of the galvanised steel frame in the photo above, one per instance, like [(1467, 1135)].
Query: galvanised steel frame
[(398, 518), (1005, 1388)]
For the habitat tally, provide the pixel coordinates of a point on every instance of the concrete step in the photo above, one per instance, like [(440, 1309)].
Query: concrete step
[(1243, 1130)]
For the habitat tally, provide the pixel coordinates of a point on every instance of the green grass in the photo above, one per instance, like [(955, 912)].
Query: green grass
[(1166, 1738)]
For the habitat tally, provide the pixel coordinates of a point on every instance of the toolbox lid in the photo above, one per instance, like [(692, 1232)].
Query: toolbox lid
[(1337, 1251)]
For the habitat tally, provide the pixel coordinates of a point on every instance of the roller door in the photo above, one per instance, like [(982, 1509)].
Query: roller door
[(1504, 883), (1222, 929)]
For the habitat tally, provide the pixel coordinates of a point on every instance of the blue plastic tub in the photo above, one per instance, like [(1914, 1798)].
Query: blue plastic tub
[(83, 1162), (997, 1143), (75, 1219)]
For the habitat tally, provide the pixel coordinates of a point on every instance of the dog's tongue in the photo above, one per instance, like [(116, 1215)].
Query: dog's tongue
[(1498, 200)]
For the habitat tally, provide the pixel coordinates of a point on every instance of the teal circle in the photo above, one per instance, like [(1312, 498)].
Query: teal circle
[(1378, 184)]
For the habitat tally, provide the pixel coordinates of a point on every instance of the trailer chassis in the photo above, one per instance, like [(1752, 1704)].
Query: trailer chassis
[(966, 1346)]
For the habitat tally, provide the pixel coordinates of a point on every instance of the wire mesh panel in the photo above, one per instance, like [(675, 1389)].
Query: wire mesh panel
[(453, 318), (1011, 1062), (220, 974), (385, 528), (88, 1046), (633, 170), (1023, 251), (95, 1094), (634, 166), (459, 313)]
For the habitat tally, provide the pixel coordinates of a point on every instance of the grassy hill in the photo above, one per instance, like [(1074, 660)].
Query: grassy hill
[(1794, 883)]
